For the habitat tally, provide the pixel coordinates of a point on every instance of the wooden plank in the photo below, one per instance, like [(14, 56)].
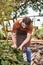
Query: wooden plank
[(37, 41), (32, 41)]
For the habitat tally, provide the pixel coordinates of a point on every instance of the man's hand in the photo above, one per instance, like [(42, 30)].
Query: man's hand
[(20, 47), (14, 46)]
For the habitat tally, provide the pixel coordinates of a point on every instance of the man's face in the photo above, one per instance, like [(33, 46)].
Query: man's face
[(23, 25)]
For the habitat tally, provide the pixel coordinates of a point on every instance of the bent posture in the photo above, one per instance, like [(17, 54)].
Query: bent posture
[(21, 35)]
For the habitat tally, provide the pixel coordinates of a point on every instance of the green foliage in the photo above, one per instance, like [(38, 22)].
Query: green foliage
[(38, 33), (9, 6), (36, 5), (42, 25), (9, 56), (2, 35), (5, 62)]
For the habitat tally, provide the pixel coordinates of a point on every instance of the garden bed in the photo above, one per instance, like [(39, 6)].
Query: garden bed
[(9, 56)]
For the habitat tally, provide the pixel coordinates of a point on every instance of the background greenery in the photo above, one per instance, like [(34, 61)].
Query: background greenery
[(38, 33), (16, 8)]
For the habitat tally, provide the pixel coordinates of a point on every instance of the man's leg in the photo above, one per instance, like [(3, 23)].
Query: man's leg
[(28, 53)]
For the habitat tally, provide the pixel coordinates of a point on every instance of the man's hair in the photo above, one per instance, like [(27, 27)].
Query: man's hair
[(27, 20)]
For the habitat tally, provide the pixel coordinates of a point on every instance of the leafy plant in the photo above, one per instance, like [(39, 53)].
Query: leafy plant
[(9, 56), (38, 33), (2, 35)]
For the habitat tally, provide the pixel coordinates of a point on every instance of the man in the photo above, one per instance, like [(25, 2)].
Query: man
[(21, 35)]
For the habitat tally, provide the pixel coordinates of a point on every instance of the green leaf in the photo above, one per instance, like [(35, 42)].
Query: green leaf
[(4, 62)]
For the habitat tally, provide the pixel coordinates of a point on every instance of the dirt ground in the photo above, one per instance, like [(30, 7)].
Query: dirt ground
[(36, 55)]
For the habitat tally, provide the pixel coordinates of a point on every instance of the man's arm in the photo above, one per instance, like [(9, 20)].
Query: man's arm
[(14, 29), (25, 41), (29, 32), (14, 40)]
